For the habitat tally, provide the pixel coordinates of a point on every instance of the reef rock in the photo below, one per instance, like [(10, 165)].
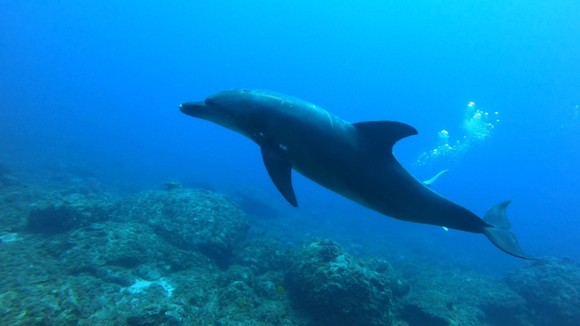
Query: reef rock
[(192, 219), (7, 179), (449, 296), (112, 251), (59, 213), (262, 255), (551, 288), (336, 289)]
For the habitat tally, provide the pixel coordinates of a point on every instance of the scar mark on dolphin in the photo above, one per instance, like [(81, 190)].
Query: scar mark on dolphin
[(330, 119)]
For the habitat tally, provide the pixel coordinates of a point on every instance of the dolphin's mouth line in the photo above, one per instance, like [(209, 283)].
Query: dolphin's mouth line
[(203, 111), (196, 109)]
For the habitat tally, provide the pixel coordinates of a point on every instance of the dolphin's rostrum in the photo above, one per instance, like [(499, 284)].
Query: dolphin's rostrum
[(353, 159)]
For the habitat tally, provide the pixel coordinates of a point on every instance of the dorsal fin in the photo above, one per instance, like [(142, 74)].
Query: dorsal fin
[(381, 136)]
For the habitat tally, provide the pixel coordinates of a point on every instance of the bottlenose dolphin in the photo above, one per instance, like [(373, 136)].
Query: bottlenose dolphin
[(354, 160)]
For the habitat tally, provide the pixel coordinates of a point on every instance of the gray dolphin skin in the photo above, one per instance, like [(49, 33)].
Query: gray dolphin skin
[(354, 160)]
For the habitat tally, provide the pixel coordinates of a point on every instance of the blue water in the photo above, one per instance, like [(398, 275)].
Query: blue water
[(95, 86)]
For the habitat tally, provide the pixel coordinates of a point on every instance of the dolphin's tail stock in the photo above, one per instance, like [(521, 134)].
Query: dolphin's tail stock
[(499, 231)]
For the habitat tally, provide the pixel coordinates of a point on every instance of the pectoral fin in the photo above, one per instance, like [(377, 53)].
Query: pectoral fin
[(431, 181), (280, 171)]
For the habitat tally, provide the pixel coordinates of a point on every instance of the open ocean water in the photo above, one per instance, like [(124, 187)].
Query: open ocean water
[(118, 209)]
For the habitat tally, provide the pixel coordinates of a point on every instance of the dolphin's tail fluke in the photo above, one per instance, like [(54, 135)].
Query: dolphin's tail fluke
[(499, 231)]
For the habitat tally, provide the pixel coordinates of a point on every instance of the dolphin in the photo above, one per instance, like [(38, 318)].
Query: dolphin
[(354, 160)]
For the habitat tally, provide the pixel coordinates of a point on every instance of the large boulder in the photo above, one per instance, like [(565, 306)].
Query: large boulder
[(551, 288), (336, 289), (448, 295), (60, 212), (121, 249), (192, 219), (262, 254)]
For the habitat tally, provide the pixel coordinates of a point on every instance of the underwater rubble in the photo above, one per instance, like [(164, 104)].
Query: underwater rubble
[(181, 256)]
